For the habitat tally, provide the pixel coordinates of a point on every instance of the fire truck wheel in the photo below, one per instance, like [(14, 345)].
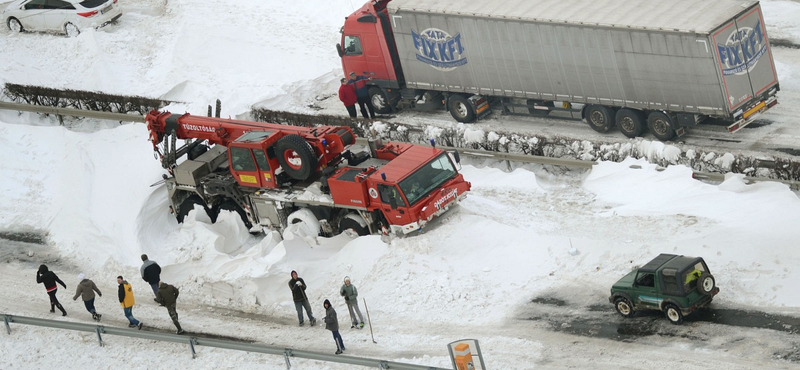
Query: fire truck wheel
[(188, 205), (230, 205), (379, 100), (354, 222), (296, 157), (309, 223), (460, 109)]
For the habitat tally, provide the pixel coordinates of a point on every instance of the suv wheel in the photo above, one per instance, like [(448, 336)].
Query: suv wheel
[(673, 313), (706, 284), (624, 307)]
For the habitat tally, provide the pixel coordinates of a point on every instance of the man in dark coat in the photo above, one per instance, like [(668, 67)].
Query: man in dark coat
[(332, 324), (151, 273), (168, 296), (298, 287), (362, 94), (49, 279), (347, 94)]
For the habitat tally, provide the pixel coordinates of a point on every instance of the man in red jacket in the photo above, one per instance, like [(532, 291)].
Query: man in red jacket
[(347, 94)]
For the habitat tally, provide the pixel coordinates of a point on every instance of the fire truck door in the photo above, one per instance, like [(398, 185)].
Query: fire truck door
[(393, 205), (243, 167), (265, 175)]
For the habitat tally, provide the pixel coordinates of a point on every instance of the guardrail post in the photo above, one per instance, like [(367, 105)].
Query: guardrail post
[(97, 330), (286, 354), (192, 342), (7, 319)]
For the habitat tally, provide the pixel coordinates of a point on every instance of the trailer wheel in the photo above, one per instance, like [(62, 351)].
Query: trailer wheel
[(188, 205), (230, 205), (533, 103), (600, 118), (379, 100), (661, 126), (296, 157), (630, 122), (354, 222), (460, 109)]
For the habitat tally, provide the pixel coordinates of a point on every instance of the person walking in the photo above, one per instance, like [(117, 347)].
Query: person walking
[(151, 273), (49, 279), (298, 287), (125, 293), (86, 289), (362, 94), (350, 294), (347, 94), (332, 324), (168, 296)]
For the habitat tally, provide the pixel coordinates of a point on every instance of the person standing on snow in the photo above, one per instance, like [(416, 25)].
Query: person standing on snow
[(168, 296), (86, 289), (125, 293), (347, 94), (350, 294), (151, 273), (298, 287), (362, 94), (49, 279), (332, 324)]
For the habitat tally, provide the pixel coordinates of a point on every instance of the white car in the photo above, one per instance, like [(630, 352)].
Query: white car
[(62, 16)]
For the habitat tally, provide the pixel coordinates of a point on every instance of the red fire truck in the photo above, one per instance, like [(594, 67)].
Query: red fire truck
[(276, 175)]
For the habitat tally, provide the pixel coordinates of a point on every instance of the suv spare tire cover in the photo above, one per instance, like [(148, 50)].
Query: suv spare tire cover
[(706, 283)]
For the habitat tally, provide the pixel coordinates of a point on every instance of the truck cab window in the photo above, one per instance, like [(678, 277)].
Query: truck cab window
[(242, 160), (388, 193), (352, 45), (261, 159)]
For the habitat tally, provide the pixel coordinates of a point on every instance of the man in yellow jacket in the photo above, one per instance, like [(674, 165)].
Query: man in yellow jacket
[(126, 301)]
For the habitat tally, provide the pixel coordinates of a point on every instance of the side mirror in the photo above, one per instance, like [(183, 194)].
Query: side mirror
[(339, 50), (457, 156)]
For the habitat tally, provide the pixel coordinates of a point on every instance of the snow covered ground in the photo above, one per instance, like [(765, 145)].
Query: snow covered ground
[(525, 234)]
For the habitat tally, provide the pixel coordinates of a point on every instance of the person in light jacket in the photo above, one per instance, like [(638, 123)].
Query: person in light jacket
[(350, 294), (332, 324), (49, 279), (86, 289), (126, 300)]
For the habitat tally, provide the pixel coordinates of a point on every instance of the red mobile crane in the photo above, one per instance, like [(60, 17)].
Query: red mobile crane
[(275, 175)]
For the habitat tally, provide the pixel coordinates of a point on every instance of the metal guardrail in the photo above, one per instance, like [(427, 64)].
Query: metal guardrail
[(193, 341), (576, 163), (72, 112)]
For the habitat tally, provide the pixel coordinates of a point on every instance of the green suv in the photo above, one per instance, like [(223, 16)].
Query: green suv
[(677, 285)]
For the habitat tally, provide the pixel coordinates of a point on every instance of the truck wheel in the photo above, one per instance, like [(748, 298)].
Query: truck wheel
[(354, 222), (460, 109), (673, 313), (230, 205), (624, 307), (661, 126), (630, 122), (706, 283), (296, 157), (188, 205), (310, 225), (600, 118), (379, 100), (532, 103)]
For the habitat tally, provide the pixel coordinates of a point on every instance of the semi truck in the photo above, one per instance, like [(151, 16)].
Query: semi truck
[(636, 65), (276, 175)]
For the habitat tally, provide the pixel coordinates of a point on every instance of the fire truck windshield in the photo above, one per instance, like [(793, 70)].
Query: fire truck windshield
[(427, 178)]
